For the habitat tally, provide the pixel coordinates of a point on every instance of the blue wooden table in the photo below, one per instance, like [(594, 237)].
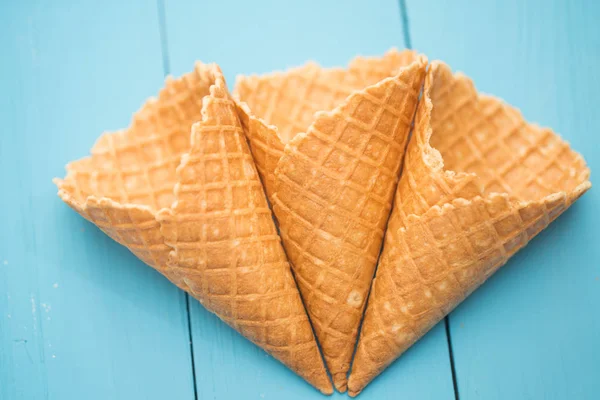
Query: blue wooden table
[(81, 318)]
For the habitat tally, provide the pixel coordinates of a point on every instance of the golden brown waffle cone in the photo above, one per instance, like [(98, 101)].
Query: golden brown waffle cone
[(200, 218), (478, 183), (333, 185)]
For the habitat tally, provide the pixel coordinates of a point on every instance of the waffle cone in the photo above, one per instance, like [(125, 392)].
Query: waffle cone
[(332, 185), (478, 183), (193, 208)]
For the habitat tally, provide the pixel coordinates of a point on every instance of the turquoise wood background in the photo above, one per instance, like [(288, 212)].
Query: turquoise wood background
[(82, 318)]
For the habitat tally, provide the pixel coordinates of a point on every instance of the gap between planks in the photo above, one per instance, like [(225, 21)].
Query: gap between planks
[(164, 48), (408, 44)]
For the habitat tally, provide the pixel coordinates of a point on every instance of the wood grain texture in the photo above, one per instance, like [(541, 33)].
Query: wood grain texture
[(80, 317), (257, 37), (533, 330)]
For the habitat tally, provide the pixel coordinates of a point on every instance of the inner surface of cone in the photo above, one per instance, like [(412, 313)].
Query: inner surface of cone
[(137, 165), (289, 100), (480, 134)]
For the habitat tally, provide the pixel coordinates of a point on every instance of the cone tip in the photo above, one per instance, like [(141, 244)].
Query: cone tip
[(340, 381)]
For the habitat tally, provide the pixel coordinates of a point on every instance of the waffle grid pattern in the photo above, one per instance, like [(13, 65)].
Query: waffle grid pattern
[(308, 89), (121, 199), (226, 247), (487, 143), (137, 166), (437, 260), (333, 197), (265, 144), (305, 91), (290, 100), (483, 135)]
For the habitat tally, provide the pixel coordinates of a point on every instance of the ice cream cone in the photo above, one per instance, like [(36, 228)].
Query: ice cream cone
[(195, 210), (331, 177), (478, 183)]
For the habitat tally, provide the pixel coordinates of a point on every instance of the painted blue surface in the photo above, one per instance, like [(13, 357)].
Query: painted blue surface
[(82, 318)]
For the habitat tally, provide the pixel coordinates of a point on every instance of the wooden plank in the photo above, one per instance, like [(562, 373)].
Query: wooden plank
[(532, 331), (257, 37), (80, 317)]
